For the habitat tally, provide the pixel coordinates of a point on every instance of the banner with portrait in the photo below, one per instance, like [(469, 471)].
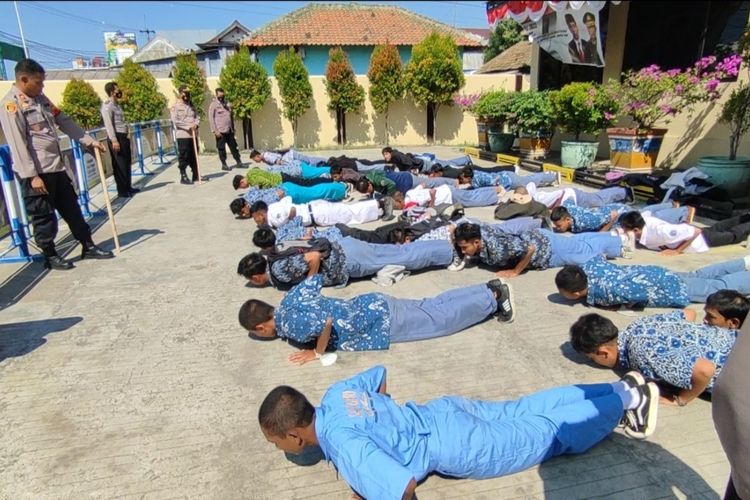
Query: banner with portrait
[(568, 31), (119, 46)]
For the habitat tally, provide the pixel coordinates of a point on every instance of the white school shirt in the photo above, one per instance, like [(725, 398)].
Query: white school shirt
[(421, 195), (657, 233)]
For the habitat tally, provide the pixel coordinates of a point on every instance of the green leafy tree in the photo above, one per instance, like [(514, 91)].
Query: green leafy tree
[(246, 84), (386, 76), (294, 86), (433, 75), (506, 34), (345, 95), (82, 103), (582, 108), (141, 100), (187, 72)]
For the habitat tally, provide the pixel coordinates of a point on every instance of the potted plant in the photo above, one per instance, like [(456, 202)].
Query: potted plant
[(650, 96), (581, 108), (732, 172), (530, 115), (489, 109)]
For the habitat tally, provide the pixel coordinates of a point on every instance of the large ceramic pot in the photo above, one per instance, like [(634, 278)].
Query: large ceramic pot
[(731, 175), (632, 149), (484, 126), (578, 154), (500, 142), (534, 145)]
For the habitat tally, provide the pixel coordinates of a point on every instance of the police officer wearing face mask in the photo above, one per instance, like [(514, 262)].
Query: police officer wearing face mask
[(186, 122), (221, 120), (117, 132), (30, 122)]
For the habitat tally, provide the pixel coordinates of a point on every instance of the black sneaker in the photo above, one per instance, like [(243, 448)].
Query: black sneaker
[(184, 179), (629, 195), (505, 310), (225, 167), (387, 208), (641, 422), (633, 379)]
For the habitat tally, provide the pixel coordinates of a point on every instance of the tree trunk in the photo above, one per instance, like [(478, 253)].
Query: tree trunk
[(294, 133), (430, 123), (386, 128), (340, 126), (247, 133), (343, 127)]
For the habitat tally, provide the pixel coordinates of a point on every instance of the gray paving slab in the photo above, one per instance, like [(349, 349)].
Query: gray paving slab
[(131, 378)]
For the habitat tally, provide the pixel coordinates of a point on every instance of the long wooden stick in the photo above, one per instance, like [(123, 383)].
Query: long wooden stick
[(107, 202), (197, 164)]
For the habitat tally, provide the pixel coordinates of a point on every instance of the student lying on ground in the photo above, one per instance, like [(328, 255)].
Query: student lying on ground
[(387, 183), (605, 284), (582, 198), (667, 348), (330, 191), (430, 197), (284, 156), (726, 309), (348, 175), (291, 262), (455, 172), (508, 180), (321, 212), (570, 217), (256, 177), (371, 321), (537, 249), (383, 449), (419, 163), (674, 239)]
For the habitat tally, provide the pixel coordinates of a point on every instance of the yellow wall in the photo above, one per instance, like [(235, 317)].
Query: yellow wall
[(317, 127)]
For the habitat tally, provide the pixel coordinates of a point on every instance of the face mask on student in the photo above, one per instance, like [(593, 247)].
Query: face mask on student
[(118, 94)]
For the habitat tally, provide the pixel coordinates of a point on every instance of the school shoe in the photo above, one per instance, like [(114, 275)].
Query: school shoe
[(184, 178), (558, 179), (92, 251), (506, 311), (629, 195), (58, 263), (633, 379), (628, 245), (225, 167), (387, 208), (457, 263), (641, 421), (470, 162)]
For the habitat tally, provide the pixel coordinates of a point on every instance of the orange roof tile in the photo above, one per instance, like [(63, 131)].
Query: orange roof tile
[(353, 24)]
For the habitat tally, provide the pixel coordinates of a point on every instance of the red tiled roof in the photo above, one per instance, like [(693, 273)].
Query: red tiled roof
[(353, 24)]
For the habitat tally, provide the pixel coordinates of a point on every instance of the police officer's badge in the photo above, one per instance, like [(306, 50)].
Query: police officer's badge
[(11, 108)]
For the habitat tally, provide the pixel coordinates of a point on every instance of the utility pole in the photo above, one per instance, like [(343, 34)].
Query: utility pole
[(20, 29), (145, 29)]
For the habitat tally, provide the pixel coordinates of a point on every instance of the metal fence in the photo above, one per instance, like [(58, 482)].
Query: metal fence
[(153, 145)]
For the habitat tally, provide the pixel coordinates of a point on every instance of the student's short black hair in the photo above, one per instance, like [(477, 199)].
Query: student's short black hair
[(396, 235), (559, 213), (362, 185), (437, 169), (28, 67), (386, 149), (218, 89), (254, 152), (258, 206), (237, 205), (729, 303), (467, 232), (336, 169), (284, 409), (264, 238), (236, 181), (590, 332), (109, 88), (571, 279), (632, 220), (252, 313), (251, 265), (467, 172)]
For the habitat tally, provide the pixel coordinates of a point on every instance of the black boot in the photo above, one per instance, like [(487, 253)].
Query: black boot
[(91, 251), (184, 178), (57, 262), (225, 167)]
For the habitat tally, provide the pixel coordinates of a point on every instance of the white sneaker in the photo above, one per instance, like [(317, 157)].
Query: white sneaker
[(746, 258), (640, 422), (628, 245), (457, 264), (558, 179)]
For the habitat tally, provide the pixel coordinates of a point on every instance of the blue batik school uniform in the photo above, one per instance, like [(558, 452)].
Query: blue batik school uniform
[(378, 446), (655, 286), (511, 180), (295, 229), (592, 219), (665, 347), (297, 168), (329, 191), (373, 320), (268, 195)]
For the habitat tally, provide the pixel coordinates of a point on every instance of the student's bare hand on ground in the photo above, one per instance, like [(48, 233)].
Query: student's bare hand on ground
[(669, 251), (302, 357), (667, 401), (506, 273)]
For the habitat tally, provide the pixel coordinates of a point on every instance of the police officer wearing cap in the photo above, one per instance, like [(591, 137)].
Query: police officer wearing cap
[(117, 132), (30, 122)]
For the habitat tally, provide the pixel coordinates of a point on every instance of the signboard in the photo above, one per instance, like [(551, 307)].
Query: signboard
[(119, 46), (568, 31)]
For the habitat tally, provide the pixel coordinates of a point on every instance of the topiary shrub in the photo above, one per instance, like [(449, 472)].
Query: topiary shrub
[(344, 93), (82, 103), (294, 86), (141, 100), (386, 76)]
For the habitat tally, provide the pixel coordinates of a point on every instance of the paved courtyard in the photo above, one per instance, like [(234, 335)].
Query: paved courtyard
[(132, 378)]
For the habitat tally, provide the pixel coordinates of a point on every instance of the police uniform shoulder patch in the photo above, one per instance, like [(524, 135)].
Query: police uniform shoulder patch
[(11, 107), (54, 109)]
